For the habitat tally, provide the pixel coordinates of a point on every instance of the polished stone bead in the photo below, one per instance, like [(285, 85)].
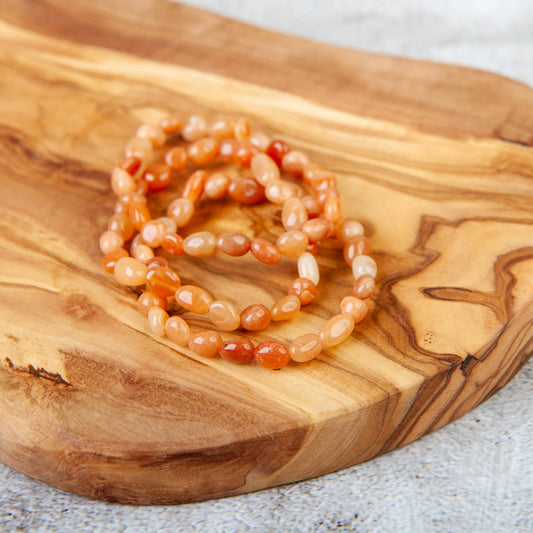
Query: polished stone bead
[(200, 244), (260, 139), (332, 209), (152, 233), (238, 350), (234, 244), (364, 286), (157, 176), (172, 243), (142, 252), (277, 150), (349, 228), (170, 225), (131, 165), (304, 289), (130, 271), (110, 241), (154, 134), (147, 300), (311, 205), (157, 318), (178, 330), (139, 214), (255, 317), (216, 186), (222, 129), (194, 186), (285, 308), (293, 214), (292, 243), (305, 348), (356, 308), (363, 264), (336, 330), (279, 191), (264, 168), (157, 261), (139, 147), (318, 229), (308, 267), (224, 315), (354, 246), (246, 190), (195, 128), (203, 151), (110, 260), (121, 223), (293, 163), (121, 181), (194, 299), (180, 211), (242, 129), (205, 343), (171, 125), (273, 355), (177, 159), (162, 281), (265, 251)]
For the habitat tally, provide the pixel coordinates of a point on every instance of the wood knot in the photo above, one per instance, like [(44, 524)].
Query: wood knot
[(79, 307)]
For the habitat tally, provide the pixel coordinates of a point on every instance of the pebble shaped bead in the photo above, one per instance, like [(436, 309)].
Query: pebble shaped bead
[(293, 163), (216, 186), (158, 262), (285, 308), (221, 129), (277, 150), (172, 243), (305, 348), (264, 168), (194, 299), (178, 331), (170, 225), (273, 355), (311, 205), (324, 194), (279, 191), (265, 251), (152, 233), (336, 330), (162, 281), (244, 151), (308, 267), (194, 129), (356, 308), (139, 214), (143, 253), (194, 186), (177, 159), (304, 289), (293, 214), (110, 260), (238, 350), (260, 139), (228, 148), (234, 244), (318, 229), (121, 181), (242, 129), (148, 300), (157, 318), (224, 315), (139, 147), (349, 228), (364, 264), (136, 241), (130, 271), (154, 134), (203, 151), (157, 176), (121, 223), (354, 246), (332, 209), (364, 286), (292, 243), (132, 198), (171, 125), (200, 244), (205, 343), (323, 180), (110, 241), (180, 211), (142, 188), (246, 191), (131, 165), (312, 248), (311, 171), (255, 317)]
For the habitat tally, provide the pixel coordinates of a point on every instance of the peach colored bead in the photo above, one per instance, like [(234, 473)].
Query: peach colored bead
[(131, 165), (203, 151), (194, 186), (195, 129), (121, 181), (216, 186), (234, 244), (332, 209), (264, 168), (293, 163), (273, 355), (238, 350), (364, 264), (336, 330), (152, 233), (177, 159), (110, 241), (261, 140), (200, 244), (324, 194), (139, 214), (136, 241), (162, 281), (354, 307), (247, 191), (121, 223), (143, 253), (180, 211), (308, 267), (305, 348), (292, 243), (242, 129), (293, 214), (132, 198), (170, 225), (323, 180), (110, 260), (318, 229), (285, 308), (171, 125), (221, 129), (227, 151), (279, 191), (311, 171), (130, 271), (304, 289), (311, 205), (153, 133), (255, 317), (224, 315), (364, 286), (157, 318), (148, 299), (244, 151), (172, 243), (139, 147), (349, 228), (156, 177), (158, 262), (178, 330), (194, 299), (265, 251), (205, 343), (354, 246)]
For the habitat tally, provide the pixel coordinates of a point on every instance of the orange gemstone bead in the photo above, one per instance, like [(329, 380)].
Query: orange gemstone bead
[(216, 186), (171, 125), (264, 168), (157, 176), (305, 348), (173, 244), (110, 241), (195, 129), (121, 224), (157, 262), (260, 140), (178, 331), (279, 191), (255, 317), (324, 194), (142, 252), (110, 260), (349, 228), (177, 159), (356, 308), (311, 205), (293, 163), (277, 150), (234, 244), (153, 133), (139, 214), (162, 281), (285, 308), (364, 286), (273, 355), (194, 299), (293, 214), (332, 209), (131, 165), (311, 171), (246, 191), (227, 150), (304, 289), (318, 229), (200, 244), (243, 153), (203, 151), (205, 343), (157, 319), (147, 300), (222, 129), (242, 129), (152, 233), (354, 246), (121, 181), (238, 350), (139, 147), (180, 211), (130, 271), (292, 243), (336, 330), (224, 315), (194, 186), (265, 251)]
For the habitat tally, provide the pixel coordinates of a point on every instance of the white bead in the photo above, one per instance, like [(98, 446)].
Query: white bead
[(171, 226), (363, 264), (308, 267)]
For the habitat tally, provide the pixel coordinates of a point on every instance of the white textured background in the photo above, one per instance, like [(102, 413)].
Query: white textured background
[(475, 475)]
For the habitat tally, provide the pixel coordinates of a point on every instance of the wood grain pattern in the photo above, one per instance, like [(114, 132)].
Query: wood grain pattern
[(91, 402)]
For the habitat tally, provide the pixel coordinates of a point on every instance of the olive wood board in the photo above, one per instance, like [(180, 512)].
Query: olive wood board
[(434, 160)]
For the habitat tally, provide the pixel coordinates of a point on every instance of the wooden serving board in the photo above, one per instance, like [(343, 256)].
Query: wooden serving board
[(434, 160)]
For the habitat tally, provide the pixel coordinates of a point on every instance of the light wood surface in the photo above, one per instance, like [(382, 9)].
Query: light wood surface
[(91, 402)]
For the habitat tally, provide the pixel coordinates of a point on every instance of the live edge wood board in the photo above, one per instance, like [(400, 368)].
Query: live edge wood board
[(436, 161)]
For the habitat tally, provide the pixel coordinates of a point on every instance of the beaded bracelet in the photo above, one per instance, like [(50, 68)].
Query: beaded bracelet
[(231, 142)]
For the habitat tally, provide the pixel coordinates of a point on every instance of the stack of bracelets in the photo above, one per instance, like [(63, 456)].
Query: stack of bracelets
[(310, 213)]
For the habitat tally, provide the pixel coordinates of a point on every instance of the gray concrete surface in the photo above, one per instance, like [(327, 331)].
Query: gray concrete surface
[(474, 475)]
